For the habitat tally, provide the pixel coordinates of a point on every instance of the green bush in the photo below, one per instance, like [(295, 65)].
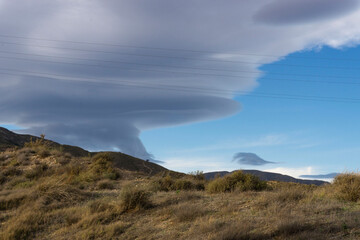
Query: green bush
[(236, 181), (133, 198), (347, 186)]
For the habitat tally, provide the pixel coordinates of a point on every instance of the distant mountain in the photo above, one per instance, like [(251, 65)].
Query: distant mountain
[(321, 176), (268, 176)]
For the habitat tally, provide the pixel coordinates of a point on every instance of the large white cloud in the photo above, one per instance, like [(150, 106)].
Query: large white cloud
[(91, 103)]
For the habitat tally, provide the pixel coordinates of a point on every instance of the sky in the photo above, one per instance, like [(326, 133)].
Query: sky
[(193, 85)]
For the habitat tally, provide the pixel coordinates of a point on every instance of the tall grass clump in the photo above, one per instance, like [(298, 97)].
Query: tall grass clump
[(133, 198), (236, 181), (168, 183), (101, 167), (347, 186)]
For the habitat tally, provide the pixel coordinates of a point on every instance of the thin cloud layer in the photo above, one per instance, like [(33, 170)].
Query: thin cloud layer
[(102, 96), (249, 159)]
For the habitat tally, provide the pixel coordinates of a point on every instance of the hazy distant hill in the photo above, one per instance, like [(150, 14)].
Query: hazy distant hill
[(268, 176)]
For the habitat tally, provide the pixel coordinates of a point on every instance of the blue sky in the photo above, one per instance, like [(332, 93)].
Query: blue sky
[(189, 83), (305, 137)]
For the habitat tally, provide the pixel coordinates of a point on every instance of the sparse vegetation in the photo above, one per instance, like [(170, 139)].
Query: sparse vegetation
[(237, 181), (347, 186), (60, 196)]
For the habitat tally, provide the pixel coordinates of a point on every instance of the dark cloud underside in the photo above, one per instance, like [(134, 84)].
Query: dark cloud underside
[(297, 11), (249, 159)]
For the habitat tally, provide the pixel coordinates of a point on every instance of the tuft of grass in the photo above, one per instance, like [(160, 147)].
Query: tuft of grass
[(169, 183), (12, 201), (101, 167), (236, 181), (188, 212), (347, 186), (105, 184), (37, 171), (133, 198)]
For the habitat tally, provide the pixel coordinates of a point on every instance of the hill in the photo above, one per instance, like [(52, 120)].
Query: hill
[(268, 176), (9, 139), (48, 193)]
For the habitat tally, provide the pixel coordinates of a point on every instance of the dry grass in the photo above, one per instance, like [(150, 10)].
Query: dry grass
[(237, 181), (347, 186), (63, 197)]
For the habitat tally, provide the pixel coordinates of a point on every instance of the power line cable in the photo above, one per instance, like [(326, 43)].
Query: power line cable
[(198, 89), (183, 67), (173, 57), (176, 72), (166, 49)]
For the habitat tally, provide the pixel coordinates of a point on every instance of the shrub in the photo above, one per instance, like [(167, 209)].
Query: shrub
[(101, 167), (182, 184), (198, 175), (37, 171), (163, 184), (167, 183), (105, 184), (236, 181), (12, 171), (133, 198), (347, 186)]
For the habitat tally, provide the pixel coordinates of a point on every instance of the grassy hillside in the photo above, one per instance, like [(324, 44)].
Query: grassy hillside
[(46, 193)]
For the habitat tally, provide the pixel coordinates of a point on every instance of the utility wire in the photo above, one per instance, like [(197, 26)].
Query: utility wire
[(172, 57), (180, 67), (178, 88), (165, 49), (177, 72)]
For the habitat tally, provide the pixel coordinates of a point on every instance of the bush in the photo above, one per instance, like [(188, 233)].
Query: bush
[(133, 198), (347, 186), (105, 184), (236, 181), (37, 171), (101, 167), (169, 184)]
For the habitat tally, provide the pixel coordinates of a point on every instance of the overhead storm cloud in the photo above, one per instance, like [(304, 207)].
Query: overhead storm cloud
[(98, 73)]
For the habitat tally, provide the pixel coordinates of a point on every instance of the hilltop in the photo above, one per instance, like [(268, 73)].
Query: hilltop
[(46, 192)]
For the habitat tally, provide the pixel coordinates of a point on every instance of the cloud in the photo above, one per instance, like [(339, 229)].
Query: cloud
[(299, 11), (249, 159), (102, 96), (294, 172)]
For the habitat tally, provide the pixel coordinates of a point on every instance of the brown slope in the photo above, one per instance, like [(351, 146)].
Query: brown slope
[(9, 139)]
